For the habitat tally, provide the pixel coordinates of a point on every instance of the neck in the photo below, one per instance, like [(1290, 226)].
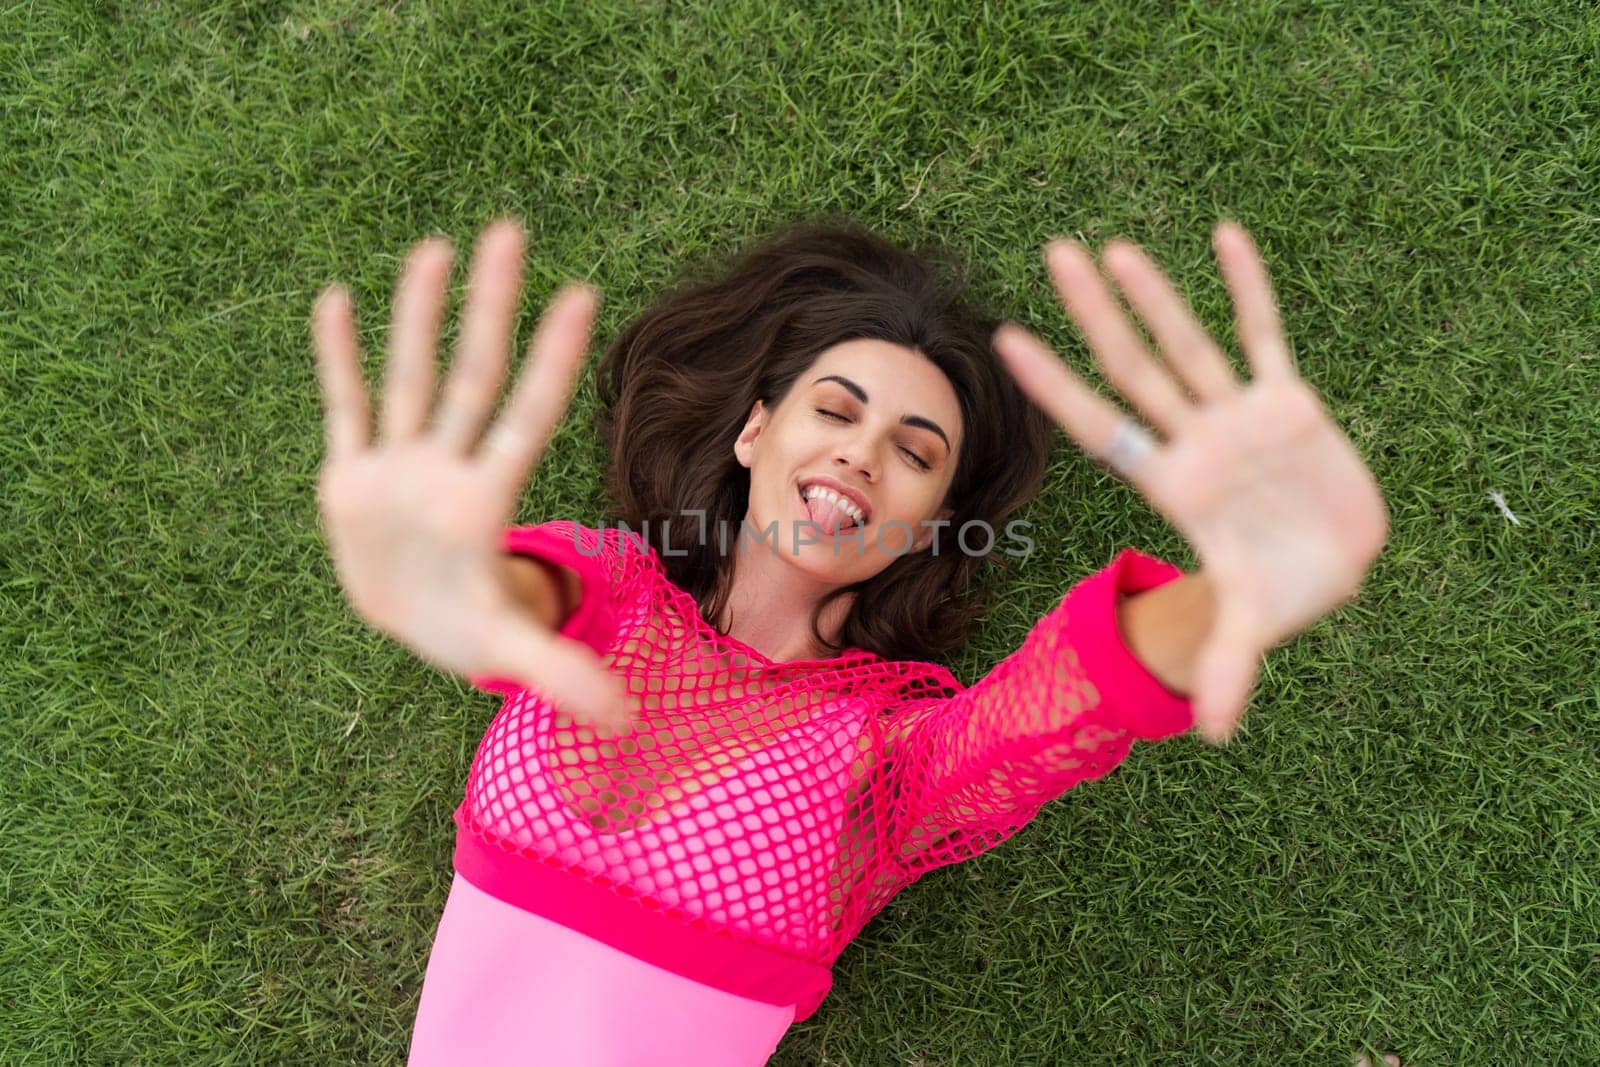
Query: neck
[(769, 606)]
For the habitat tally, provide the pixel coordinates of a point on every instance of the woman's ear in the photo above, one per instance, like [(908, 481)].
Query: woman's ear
[(744, 445)]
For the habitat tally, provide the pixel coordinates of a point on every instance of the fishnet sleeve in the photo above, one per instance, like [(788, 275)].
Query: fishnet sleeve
[(605, 564), (971, 769)]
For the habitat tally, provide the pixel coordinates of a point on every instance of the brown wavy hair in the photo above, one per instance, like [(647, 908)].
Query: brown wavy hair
[(677, 384)]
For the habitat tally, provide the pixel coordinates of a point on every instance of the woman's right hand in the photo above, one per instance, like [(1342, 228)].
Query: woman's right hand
[(415, 522)]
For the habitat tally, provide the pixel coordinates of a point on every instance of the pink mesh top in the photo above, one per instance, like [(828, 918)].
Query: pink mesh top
[(762, 812)]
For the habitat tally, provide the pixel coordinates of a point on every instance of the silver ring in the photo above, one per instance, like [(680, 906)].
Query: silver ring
[(1130, 443)]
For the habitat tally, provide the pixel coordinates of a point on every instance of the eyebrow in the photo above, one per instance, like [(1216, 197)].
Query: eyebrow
[(908, 420)]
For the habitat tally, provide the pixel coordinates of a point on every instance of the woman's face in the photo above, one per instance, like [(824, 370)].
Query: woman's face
[(867, 416)]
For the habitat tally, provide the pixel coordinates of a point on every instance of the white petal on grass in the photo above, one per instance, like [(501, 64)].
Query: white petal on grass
[(1500, 502)]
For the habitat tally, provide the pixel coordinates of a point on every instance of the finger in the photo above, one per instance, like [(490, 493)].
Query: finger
[(494, 282), (333, 334), (1260, 331), (1116, 345), (1089, 419), (1185, 345), (413, 338), (566, 671), (1225, 674), (555, 355)]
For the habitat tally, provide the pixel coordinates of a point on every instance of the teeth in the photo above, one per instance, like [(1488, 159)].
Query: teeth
[(844, 503)]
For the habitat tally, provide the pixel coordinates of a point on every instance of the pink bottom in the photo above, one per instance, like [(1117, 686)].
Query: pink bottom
[(505, 986)]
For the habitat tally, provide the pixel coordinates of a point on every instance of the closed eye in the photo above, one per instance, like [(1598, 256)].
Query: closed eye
[(912, 456)]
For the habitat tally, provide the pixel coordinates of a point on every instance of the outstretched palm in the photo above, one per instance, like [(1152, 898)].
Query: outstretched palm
[(415, 520), (1280, 510)]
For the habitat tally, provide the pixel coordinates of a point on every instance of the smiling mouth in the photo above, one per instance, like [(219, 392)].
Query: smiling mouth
[(851, 524)]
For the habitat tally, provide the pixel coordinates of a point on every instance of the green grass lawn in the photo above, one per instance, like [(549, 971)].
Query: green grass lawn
[(227, 803)]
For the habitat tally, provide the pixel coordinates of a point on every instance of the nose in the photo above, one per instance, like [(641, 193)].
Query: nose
[(847, 458), (856, 448)]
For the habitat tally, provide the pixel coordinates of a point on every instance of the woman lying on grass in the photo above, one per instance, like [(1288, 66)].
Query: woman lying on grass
[(718, 758)]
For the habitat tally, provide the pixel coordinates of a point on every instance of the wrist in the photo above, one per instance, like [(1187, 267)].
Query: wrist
[(540, 587), (1165, 627)]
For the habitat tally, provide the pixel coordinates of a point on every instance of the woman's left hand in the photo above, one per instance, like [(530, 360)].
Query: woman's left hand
[(1283, 515)]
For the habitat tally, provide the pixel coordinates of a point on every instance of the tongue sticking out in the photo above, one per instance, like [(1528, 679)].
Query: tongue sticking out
[(828, 515)]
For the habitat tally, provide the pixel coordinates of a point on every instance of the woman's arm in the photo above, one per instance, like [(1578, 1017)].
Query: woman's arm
[(970, 769)]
